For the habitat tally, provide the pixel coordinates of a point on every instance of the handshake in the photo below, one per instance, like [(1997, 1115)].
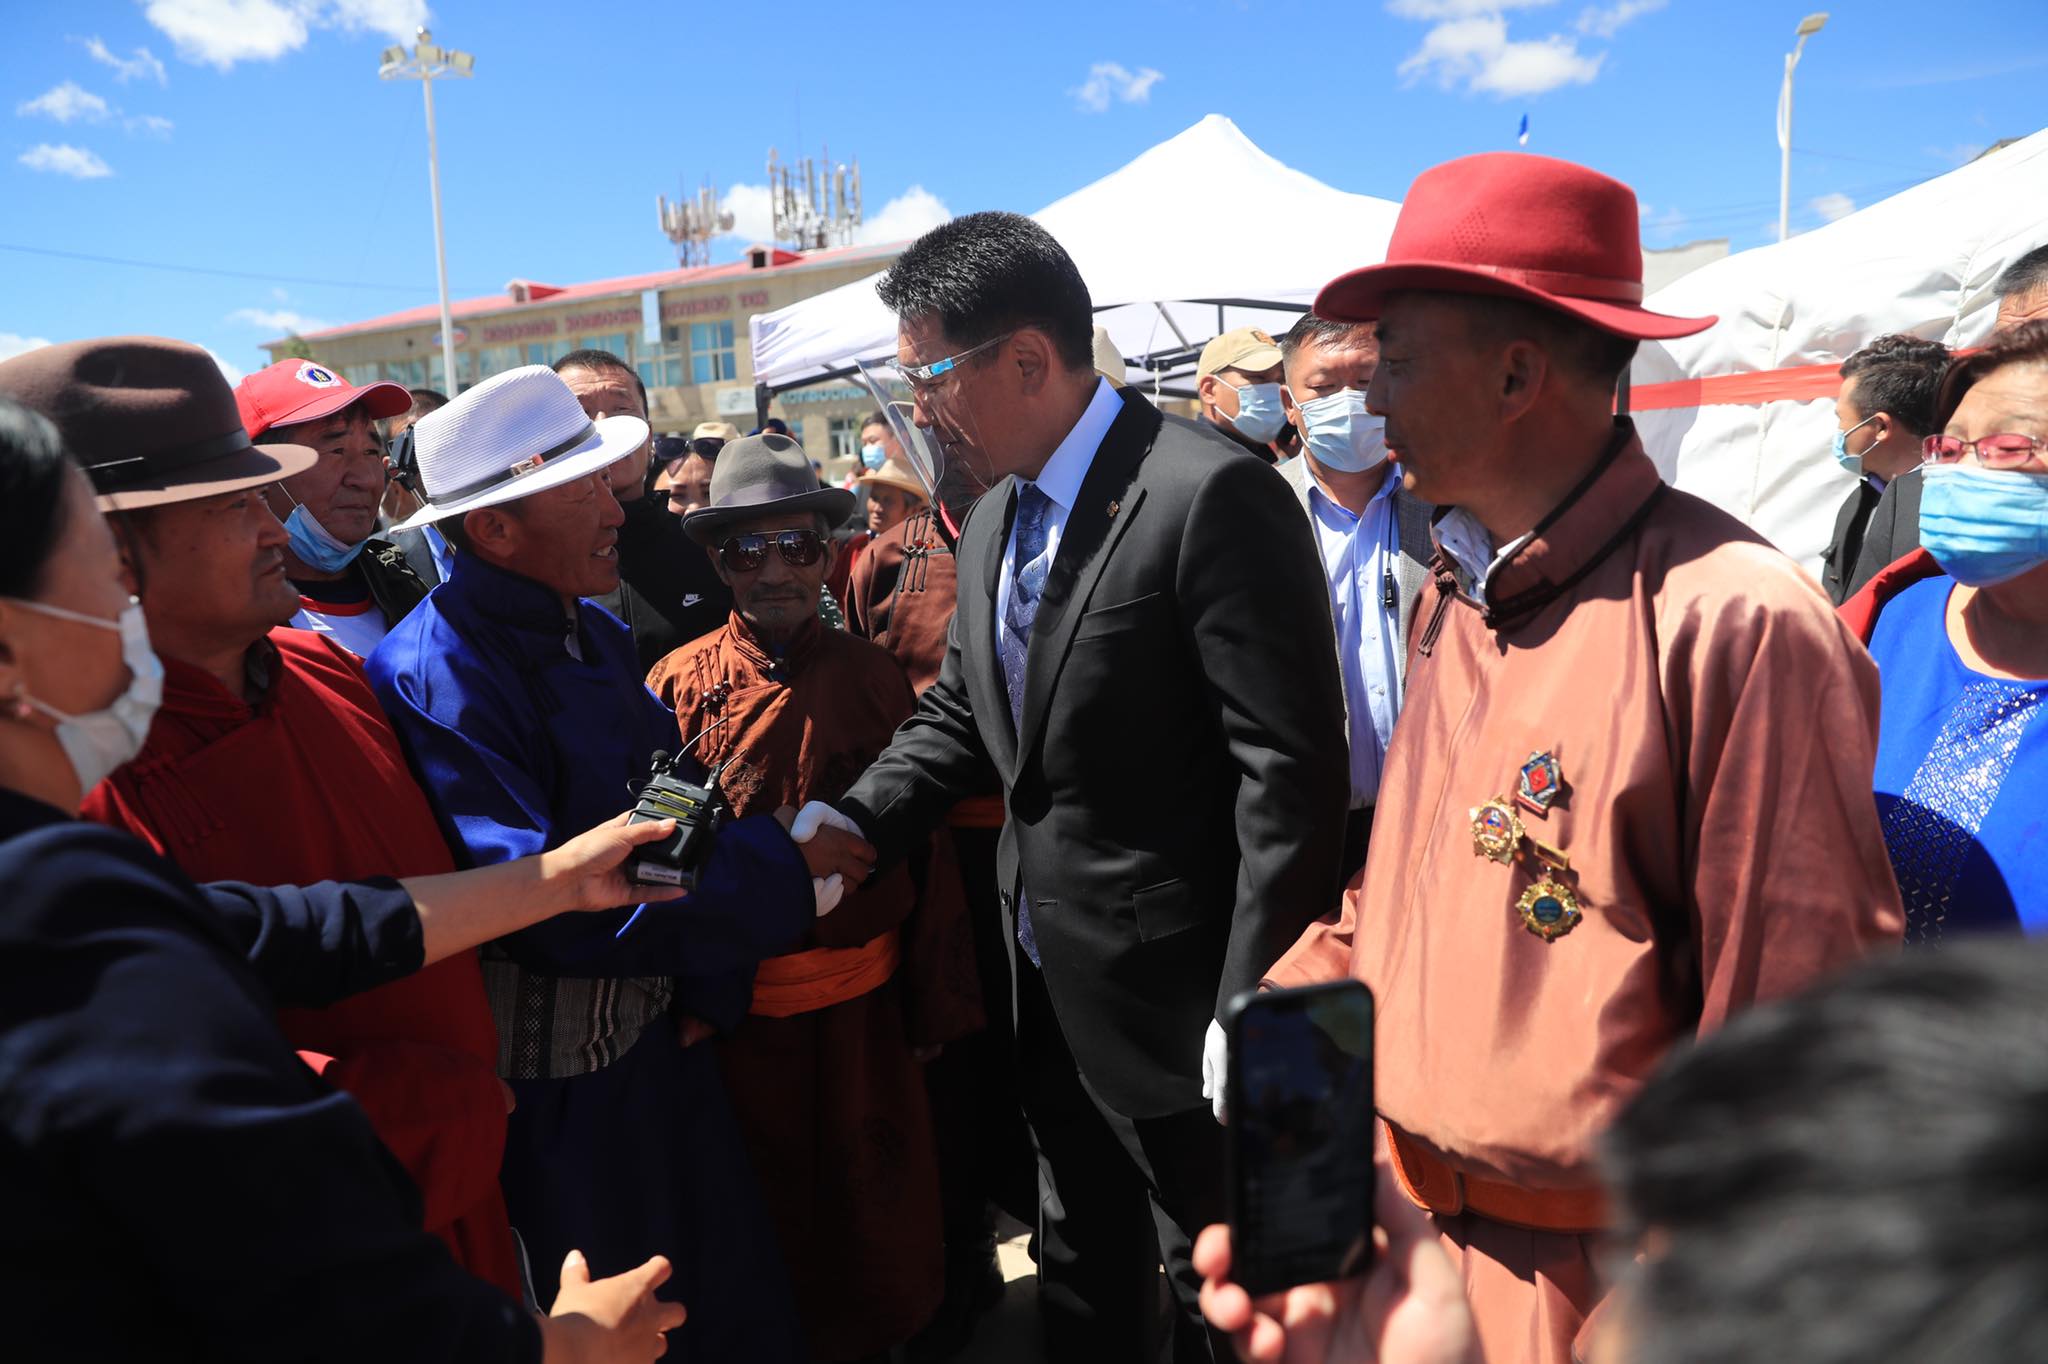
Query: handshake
[(833, 847)]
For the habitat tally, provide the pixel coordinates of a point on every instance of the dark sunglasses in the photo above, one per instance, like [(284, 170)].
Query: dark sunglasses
[(401, 461), (746, 553)]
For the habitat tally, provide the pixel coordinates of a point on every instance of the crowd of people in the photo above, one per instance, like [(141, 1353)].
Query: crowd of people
[(345, 999)]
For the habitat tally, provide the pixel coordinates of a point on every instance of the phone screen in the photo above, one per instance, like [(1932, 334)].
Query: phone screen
[(1300, 1113)]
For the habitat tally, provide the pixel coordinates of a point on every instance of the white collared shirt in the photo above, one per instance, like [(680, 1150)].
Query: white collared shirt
[(1358, 554), (1469, 546), (1060, 480)]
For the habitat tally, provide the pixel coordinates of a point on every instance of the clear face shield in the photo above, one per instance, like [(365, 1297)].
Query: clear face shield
[(935, 431)]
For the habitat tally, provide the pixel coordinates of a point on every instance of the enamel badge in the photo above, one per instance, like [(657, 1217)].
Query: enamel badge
[(1549, 909), (1540, 784), (1496, 830)]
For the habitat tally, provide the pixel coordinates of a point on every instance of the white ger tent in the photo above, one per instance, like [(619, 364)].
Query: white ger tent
[(1742, 414), (1202, 233)]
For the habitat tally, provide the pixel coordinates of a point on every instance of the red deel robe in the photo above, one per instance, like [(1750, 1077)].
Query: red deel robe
[(309, 784)]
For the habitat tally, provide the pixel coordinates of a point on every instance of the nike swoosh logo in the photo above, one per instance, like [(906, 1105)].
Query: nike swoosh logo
[(692, 598)]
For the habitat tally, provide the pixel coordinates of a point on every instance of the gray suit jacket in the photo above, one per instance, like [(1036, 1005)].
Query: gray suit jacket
[(1411, 519)]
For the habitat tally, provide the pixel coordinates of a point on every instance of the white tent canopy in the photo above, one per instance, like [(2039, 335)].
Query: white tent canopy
[(1922, 261), (1200, 234)]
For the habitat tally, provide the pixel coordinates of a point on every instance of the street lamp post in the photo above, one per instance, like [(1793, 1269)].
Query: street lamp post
[(1808, 26), (423, 64)]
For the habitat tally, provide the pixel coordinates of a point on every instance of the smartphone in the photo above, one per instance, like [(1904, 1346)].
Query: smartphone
[(1300, 1113)]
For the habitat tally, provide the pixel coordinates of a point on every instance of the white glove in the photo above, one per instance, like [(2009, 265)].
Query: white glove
[(1215, 1066), (827, 891), (814, 816)]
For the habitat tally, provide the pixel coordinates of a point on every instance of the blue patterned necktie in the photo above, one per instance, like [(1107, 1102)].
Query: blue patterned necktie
[(1030, 566)]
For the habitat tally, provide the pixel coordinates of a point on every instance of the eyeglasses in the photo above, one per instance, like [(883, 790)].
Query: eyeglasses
[(746, 553), (922, 376), (2007, 450)]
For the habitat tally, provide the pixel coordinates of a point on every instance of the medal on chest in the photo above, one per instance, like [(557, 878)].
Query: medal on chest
[(1548, 908)]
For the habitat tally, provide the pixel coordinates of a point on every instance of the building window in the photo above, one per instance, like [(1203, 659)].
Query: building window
[(663, 369), (615, 344), (845, 436), (711, 360), (498, 359)]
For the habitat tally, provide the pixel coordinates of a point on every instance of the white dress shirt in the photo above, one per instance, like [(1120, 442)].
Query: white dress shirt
[(1359, 553), (1060, 480)]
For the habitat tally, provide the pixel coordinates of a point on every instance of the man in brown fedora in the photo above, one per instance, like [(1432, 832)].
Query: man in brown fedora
[(1628, 795), (825, 1071)]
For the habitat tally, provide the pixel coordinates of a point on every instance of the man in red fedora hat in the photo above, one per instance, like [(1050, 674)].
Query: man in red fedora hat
[(1627, 796)]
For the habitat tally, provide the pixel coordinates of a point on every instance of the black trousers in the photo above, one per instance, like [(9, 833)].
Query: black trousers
[(985, 1153), (1118, 1198)]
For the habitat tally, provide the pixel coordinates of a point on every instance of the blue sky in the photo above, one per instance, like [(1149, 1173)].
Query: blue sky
[(252, 137)]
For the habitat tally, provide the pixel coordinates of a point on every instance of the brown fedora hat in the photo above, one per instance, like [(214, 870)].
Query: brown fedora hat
[(153, 421)]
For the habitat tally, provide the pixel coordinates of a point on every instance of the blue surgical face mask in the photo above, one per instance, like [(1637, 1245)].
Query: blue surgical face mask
[(872, 457), (313, 545), (1984, 526), (1259, 413), (1853, 463), (1341, 434)]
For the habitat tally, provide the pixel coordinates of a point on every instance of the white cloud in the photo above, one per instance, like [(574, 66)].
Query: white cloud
[(220, 33), (278, 320), (1477, 53), (66, 103), (13, 344), (151, 124), (234, 376), (910, 214), (1606, 22), (65, 159), (753, 213), (1109, 81), (1833, 206), (1664, 225), (1436, 11), (143, 63)]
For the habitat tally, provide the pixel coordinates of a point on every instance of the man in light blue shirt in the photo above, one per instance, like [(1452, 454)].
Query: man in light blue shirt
[(1373, 537)]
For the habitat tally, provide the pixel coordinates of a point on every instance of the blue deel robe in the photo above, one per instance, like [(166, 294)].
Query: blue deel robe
[(520, 744)]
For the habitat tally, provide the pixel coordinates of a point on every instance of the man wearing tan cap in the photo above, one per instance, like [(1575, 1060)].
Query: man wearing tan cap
[(1628, 793), (1237, 381)]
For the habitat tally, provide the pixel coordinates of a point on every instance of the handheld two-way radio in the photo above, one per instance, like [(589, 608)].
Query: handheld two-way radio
[(697, 810)]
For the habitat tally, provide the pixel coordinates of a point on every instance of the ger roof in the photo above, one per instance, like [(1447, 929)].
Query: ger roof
[(782, 262)]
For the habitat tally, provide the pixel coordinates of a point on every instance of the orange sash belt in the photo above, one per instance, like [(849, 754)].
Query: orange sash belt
[(977, 812), (1430, 1183), (805, 982)]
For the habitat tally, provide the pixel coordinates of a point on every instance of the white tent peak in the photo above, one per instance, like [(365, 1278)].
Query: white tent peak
[(1199, 234)]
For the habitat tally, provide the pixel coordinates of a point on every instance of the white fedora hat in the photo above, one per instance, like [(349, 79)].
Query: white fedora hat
[(513, 435)]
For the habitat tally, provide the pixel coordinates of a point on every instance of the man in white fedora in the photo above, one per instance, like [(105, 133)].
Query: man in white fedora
[(521, 709)]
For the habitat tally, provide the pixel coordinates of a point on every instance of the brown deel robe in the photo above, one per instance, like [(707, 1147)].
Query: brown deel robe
[(831, 1099), (902, 595), (1716, 728)]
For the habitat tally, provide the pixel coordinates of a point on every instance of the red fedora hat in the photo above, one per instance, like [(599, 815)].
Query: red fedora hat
[(1516, 226)]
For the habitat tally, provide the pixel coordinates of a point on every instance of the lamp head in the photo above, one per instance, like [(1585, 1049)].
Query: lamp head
[(1812, 24), (391, 56), (463, 63)]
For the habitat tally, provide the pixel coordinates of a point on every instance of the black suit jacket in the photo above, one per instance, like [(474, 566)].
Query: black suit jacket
[(1894, 530), (1176, 798), (1838, 560)]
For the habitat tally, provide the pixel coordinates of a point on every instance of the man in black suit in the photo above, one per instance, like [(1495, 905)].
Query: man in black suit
[(1883, 410), (1143, 654)]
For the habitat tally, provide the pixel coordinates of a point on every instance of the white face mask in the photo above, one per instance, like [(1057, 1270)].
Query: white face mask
[(101, 740), (1341, 434)]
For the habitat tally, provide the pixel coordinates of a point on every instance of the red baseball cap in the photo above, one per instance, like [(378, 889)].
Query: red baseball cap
[(294, 391), (1516, 226)]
